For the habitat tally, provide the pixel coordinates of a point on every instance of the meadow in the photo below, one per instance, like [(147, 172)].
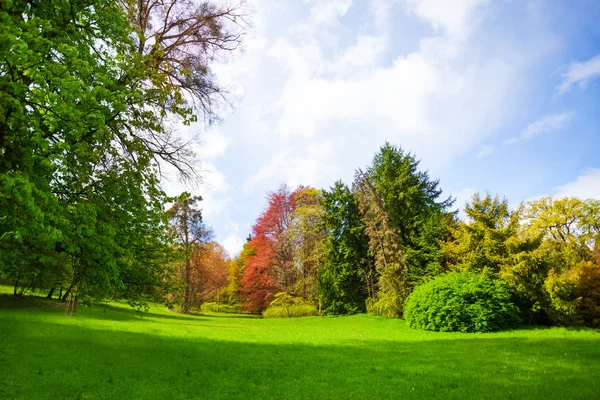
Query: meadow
[(110, 351)]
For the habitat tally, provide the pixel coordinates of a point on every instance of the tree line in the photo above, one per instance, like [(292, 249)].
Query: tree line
[(365, 248)]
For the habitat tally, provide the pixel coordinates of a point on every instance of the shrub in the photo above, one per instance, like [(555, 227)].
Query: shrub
[(286, 306), (461, 302), (222, 308), (293, 311)]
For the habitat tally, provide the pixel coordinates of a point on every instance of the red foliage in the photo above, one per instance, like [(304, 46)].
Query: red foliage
[(258, 287), (265, 274)]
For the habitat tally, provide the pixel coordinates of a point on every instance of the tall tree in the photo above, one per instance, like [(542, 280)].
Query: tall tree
[(258, 281), (239, 265), (569, 228), (346, 278), (209, 275), (84, 123), (189, 231), (404, 221), (306, 234)]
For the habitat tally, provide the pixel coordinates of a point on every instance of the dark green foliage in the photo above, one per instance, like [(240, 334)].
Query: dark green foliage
[(404, 221), (411, 201), (461, 302), (343, 278)]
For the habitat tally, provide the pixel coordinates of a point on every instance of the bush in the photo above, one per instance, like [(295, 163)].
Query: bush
[(222, 308), (461, 302), (293, 311), (286, 306)]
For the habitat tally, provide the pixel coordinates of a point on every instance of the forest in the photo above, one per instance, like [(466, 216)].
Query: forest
[(110, 288)]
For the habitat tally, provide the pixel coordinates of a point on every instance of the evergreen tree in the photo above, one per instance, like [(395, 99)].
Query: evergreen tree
[(404, 220), (346, 277)]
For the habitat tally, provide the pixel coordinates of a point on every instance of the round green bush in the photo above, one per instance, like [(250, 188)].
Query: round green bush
[(461, 302)]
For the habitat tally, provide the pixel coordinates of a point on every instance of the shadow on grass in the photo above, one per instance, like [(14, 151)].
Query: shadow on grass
[(12, 302), (69, 361)]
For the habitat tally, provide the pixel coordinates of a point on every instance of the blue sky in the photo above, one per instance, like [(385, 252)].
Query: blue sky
[(500, 96)]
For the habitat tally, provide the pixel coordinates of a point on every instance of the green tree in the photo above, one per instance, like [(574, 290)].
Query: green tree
[(569, 228), (346, 278), (306, 235), (188, 230), (404, 221), (84, 124)]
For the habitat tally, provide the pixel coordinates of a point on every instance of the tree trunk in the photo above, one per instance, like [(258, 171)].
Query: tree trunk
[(186, 292), (51, 292), (15, 289)]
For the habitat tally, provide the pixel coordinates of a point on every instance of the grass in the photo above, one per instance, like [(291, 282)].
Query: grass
[(110, 352)]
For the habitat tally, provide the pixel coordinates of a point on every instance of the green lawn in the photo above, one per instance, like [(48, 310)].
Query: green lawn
[(109, 352)]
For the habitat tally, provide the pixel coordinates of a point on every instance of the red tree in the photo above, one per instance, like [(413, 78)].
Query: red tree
[(271, 269), (258, 286)]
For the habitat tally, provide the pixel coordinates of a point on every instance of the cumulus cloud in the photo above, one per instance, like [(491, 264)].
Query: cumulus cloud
[(542, 126), (454, 17), (579, 73), (586, 186), (294, 168)]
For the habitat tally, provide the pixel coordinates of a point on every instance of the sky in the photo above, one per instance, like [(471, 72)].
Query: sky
[(500, 96)]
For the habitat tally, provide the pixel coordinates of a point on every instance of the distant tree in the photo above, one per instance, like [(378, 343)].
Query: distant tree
[(258, 281), (209, 275), (307, 236), (236, 273), (347, 277), (188, 230)]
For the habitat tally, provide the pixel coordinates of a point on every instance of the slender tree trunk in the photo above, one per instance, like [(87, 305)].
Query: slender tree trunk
[(51, 292), (187, 276), (68, 292), (15, 289)]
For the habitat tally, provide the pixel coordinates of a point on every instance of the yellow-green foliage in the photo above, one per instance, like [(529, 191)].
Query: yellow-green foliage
[(575, 294), (286, 306), (296, 310), (224, 308)]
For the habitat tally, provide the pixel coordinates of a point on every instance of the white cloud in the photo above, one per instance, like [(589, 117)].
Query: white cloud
[(547, 124), (485, 151), (365, 53), (454, 17), (213, 144), (586, 186), (233, 242), (295, 168), (327, 12), (579, 73)]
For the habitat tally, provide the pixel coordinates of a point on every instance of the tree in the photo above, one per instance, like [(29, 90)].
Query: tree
[(258, 282), (238, 266), (404, 222), (189, 231), (481, 243), (306, 234), (209, 272), (346, 278), (86, 111), (569, 229)]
